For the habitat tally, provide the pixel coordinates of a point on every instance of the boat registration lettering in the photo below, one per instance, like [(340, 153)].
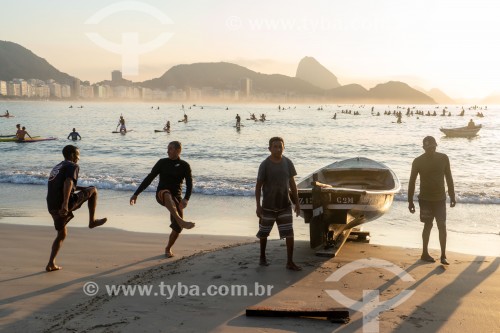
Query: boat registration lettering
[(345, 200)]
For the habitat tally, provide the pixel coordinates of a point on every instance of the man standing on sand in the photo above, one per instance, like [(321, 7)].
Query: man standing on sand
[(433, 168), (64, 197), (276, 182), (172, 171)]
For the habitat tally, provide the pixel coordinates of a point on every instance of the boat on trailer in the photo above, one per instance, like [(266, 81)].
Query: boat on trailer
[(344, 195), (461, 132)]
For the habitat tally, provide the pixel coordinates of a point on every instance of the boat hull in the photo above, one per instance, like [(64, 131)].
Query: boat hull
[(461, 132), (344, 195)]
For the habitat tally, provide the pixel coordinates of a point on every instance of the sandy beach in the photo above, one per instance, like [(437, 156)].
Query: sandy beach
[(464, 296)]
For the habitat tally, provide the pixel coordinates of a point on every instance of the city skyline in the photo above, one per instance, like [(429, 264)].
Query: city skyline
[(452, 46)]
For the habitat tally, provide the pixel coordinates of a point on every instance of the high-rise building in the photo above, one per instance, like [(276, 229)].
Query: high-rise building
[(245, 87), (3, 88), (116, 76), (75, 88)]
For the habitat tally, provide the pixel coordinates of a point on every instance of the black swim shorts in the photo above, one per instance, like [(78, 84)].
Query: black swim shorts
[(173, 223), (75, 202)]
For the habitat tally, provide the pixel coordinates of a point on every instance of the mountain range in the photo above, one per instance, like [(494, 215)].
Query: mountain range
[(312, 80)]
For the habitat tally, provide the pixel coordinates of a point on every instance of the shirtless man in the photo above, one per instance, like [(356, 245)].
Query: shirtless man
[(22, 133), (64, 196), (172, 171)]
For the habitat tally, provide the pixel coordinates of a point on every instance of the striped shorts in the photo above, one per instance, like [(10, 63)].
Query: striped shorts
[(283, 218)]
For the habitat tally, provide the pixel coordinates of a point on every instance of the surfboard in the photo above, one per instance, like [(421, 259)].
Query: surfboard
[(5, 116), (14, 139), (37, 140), (122, 132), (159, 131)]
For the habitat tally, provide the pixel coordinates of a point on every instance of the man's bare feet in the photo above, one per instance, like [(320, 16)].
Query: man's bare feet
[(52, 267), (168, 253), (97, 223), (263, 262), (444, 261), (291, 266), (428, 258), (187, 225)]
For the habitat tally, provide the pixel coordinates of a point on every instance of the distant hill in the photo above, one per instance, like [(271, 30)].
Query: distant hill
[(390, 92), (398, 92), (313, 80), (348, 92), (19, 62), (437, 95), (491, 99), (223, 75), (310, 70)]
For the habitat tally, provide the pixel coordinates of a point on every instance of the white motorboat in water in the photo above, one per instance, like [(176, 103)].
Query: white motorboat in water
[(343, 195)]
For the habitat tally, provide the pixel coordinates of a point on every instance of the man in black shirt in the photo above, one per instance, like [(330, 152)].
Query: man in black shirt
[(64, 197), (172, 171)]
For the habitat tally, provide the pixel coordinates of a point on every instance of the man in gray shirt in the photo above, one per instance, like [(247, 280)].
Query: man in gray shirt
[(276, 182)]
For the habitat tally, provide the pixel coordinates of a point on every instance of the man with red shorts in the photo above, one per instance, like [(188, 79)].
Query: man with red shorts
[(172, 171), (64, 197)]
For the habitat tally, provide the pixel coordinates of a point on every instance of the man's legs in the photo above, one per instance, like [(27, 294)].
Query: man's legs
[(263, 259), (170, 205), (289, 253), (56, 245), (442, 242), (92, 204), (426, 234), (171, 240)]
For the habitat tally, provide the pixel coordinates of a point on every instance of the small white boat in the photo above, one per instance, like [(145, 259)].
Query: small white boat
[(343, 195), (461, 132)]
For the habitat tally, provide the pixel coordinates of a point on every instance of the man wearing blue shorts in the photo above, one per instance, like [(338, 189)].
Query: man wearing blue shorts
[(276, 182), (433, 169)]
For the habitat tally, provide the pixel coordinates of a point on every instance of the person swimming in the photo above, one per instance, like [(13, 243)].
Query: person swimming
[(74, 135)]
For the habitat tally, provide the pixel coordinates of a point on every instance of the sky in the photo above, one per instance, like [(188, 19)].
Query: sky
[(450, 45)]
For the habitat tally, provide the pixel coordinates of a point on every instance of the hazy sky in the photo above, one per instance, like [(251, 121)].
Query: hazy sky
[(445, 44)]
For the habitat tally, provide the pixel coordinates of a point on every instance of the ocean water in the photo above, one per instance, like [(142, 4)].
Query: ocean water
[(225, 160)]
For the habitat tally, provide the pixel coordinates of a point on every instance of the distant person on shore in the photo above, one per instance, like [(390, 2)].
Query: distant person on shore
[(64, 196), (121, 123), (276, 183), (172, 171), (238, 120), (433, 168), (21, 134), (471, 124), (74, 135)]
